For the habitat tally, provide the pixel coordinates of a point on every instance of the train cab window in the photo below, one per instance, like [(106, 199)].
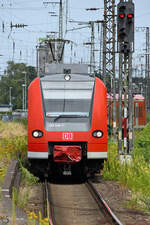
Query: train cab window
[(67, 99)]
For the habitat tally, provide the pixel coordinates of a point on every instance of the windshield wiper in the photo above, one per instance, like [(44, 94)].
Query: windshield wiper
[(69, 116)]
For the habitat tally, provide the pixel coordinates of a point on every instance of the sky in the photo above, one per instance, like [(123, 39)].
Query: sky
[(19, 44)]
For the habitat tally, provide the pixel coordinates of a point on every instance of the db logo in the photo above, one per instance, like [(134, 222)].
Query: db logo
[(67, 136)]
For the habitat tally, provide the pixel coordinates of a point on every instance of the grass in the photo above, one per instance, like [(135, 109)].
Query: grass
[(13, 145), (0, 193), (136, 175), (12, 129), (22, 198), (28, 179)]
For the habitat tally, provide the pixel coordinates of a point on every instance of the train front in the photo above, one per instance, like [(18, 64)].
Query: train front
[(67, 124)]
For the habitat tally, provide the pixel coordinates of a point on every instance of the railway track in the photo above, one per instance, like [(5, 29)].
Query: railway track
[(48, 209), (77, 204)]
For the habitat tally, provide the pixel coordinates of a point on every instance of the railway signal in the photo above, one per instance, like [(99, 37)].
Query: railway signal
[(125, 22), (130, 21), (121, 22), (125, 36)]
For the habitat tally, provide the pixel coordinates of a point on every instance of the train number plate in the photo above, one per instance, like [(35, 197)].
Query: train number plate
[(67, 136)]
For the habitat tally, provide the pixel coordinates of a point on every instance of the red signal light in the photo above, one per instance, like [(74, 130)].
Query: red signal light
[(122, 15), (130, 15)]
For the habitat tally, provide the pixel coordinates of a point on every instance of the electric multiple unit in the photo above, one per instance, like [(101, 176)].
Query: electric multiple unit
[(67, 123)]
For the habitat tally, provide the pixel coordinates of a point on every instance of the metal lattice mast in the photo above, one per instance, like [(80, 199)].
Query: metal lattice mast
[(66, 16), (101, 51), (147, 70), (60, 44), (92, 54), (125, 103), (130, 105), (147, 65), (109, 35), (60, 20)]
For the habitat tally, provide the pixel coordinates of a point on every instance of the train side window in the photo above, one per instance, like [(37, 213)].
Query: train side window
[(136, 110), (140, 112)]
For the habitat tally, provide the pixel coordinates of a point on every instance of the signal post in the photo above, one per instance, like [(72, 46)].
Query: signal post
[(125, 47)]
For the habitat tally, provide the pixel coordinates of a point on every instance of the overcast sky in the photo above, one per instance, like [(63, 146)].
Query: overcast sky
[(20, 43)]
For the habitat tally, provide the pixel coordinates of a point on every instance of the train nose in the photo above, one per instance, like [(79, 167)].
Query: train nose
[(67, 154)]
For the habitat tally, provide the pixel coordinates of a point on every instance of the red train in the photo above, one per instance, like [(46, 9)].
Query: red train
[(67, 122), (139, 110)]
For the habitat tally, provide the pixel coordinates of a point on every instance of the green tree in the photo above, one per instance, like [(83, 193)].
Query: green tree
[(15, 77)]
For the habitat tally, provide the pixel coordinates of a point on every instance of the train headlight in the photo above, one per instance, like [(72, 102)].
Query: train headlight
[(67, 77), (37, 133), (97, 134)]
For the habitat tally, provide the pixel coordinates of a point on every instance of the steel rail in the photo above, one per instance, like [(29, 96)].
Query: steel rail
[(101, 203), (47, 202)]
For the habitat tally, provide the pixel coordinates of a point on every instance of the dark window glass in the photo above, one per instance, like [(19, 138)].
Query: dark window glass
[(71, 98)]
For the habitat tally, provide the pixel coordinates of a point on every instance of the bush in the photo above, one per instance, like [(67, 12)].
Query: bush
[(147, 117), (27, 177), (135, 175), (142, 144)]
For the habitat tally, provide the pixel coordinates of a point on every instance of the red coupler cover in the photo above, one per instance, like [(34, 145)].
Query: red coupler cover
[(67, 154)]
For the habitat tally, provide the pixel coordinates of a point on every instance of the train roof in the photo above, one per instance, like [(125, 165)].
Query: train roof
[(54, 68), (73, 78), (139, 97), (135, 97)]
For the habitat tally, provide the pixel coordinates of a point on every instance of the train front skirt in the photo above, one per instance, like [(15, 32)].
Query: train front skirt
[(67, 154)]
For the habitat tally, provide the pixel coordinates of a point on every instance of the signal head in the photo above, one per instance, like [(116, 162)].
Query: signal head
[(130, 15), (125, 22), (122, 16)]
